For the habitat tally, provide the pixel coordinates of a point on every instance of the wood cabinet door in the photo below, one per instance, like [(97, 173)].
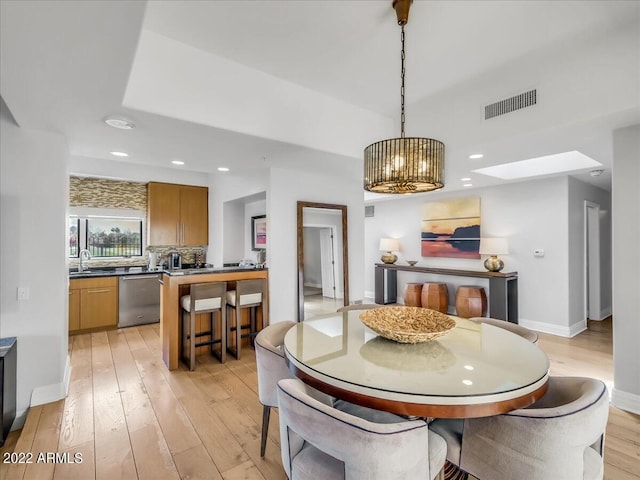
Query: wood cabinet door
[(99, 307), (74, 309), (194, 216), (164, 213)]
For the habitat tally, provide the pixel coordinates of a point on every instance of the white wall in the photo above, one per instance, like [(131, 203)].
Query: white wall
[(223, 188), (626, 265), (532, 215), (286, 187), (34, 190), (578, 193)]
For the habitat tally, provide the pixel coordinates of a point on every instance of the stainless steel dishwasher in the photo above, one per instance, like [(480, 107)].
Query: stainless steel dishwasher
[(138, 300)]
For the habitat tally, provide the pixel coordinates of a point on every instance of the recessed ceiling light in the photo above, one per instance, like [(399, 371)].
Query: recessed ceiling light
[(533, 167), (465, 179), (475, 156), (223, 169), (468, 185), (121, 123), (119, 154), (177, 162)]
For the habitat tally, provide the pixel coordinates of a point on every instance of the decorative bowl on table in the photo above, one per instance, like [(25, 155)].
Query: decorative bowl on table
[(408, 324), (412, 263)]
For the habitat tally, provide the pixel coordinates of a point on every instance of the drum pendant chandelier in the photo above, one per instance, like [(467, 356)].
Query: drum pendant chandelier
[(405, 164)]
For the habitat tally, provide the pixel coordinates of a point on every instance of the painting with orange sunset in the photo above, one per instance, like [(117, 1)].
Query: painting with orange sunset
[(451, 228)]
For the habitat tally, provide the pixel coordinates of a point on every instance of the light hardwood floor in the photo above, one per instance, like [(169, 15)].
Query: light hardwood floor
[(130, 418)]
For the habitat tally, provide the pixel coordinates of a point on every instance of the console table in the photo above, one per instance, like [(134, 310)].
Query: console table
[(503, 287)]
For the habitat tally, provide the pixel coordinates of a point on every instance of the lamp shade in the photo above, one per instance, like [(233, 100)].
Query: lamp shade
[(389, 244), (494, 246)]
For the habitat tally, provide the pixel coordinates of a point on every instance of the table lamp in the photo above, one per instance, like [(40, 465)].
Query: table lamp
[(387, 245), (494, 247)]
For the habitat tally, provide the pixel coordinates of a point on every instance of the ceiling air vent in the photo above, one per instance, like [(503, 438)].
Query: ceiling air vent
[(512, 104), (369, 210)]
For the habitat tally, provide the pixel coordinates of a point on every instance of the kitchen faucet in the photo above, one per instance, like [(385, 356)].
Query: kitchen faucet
[(84, 255)]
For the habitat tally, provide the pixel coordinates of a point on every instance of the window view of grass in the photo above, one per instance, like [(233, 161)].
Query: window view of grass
[(74, 236), (114, 237), (105, 236)]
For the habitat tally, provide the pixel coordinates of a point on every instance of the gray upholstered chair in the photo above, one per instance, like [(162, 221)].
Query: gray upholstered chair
[(321, 442), (512, 327), (271, 369), (561, 436), (359, 306)]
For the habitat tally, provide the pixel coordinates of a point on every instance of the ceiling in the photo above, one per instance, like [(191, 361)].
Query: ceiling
[(308, 84)]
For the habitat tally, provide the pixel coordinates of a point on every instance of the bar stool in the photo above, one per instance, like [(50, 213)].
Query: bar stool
[(248, 294), (203, 298), (471, 301), (435, 296)]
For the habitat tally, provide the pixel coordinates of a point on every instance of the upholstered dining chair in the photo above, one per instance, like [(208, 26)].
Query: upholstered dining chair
[(512, 327), (321, 442), (271, 368), (561, 436), (359, 306)]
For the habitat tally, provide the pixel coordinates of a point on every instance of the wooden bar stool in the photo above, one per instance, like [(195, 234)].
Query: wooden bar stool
[(412, 295), (435, 296), (471, 301), (203, 298), (248, 294)]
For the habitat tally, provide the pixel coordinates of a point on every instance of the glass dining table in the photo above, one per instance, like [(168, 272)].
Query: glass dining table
[(475, 370)]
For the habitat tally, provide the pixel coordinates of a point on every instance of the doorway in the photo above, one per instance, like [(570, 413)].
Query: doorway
[(320, 293), (592, 290)]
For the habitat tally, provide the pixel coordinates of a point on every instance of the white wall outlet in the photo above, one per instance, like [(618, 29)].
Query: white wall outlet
[(23, 293), (538, 252)]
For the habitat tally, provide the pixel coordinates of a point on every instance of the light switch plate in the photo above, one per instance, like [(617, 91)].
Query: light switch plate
[(23, 293)]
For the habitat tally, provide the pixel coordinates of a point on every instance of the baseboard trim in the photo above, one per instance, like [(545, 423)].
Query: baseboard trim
[(604, 314), (558, 330), (625, 401), (53, 392)]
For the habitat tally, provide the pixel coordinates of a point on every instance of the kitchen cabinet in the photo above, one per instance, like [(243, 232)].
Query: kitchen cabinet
[(74, 309), (178, 214), (93, 304)]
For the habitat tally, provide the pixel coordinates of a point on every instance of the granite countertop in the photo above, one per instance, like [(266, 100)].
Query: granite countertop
[(120, 271), (92, 272), (211, 269)]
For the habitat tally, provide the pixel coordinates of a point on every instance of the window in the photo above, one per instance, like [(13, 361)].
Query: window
[(106, 235), (74, 236)]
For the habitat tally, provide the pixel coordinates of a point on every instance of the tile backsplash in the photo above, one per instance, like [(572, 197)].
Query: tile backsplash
[(103, 193)]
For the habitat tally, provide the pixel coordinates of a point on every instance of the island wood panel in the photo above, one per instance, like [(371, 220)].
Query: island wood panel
[(170, 310)]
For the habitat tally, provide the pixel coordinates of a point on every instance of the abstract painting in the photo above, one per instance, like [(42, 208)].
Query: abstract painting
[(451, 228)]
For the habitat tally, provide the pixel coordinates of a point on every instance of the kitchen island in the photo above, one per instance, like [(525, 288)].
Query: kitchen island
[(175, 283)]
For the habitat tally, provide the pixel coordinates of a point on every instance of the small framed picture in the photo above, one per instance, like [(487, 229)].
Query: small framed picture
[(259, 232)]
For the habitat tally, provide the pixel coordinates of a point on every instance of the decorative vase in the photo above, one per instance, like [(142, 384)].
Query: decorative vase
[(471, 301), (412, 295), (435, 296)]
